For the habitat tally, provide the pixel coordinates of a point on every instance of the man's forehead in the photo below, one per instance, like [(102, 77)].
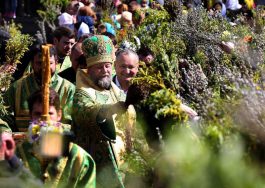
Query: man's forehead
[(127, 56)]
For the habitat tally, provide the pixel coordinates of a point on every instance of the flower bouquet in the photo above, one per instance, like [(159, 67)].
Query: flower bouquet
[(49, 135)]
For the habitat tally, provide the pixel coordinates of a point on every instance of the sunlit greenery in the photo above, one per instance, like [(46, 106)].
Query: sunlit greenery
[(226, 89)]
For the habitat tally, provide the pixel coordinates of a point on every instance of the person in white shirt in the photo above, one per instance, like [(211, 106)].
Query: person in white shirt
[(126, 67)]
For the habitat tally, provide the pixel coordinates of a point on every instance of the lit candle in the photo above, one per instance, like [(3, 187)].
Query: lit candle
[(46, 77)]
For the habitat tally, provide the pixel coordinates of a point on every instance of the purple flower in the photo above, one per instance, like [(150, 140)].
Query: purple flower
[(35, 137)]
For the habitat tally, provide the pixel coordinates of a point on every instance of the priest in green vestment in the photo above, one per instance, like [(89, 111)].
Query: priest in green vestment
[(98, 100), (64, 39), (73, 168), (16, 96)]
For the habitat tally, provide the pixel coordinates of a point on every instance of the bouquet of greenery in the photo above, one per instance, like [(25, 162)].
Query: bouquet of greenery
[(15, 48)]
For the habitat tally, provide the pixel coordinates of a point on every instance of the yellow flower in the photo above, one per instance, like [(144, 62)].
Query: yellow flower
[(185, 12), (225, 35), (35, 129), (258, 88), (56, 130), (249, 3)]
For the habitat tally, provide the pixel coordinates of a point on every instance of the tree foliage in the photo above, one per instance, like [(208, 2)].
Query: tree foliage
[(226, 89), (50, 10)]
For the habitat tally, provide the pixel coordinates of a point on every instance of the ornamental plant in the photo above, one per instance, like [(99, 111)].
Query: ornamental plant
[(225, 87), (37, 128), (15, 48)]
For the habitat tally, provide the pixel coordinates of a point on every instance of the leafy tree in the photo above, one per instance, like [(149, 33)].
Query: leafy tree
[(50, 11)]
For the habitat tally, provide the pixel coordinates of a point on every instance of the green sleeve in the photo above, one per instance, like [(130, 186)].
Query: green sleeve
[(87, 178), (67, 107), (85, 110), (80, 170)]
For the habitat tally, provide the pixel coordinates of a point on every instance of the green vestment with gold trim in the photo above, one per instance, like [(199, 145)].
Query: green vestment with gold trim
[(76, 169), (17, 95), (59, 67), (88, 100), (65, 65)]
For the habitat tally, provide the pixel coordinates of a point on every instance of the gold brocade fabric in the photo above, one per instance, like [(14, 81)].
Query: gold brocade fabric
[(76, 169), (17, 95), (88, 100)]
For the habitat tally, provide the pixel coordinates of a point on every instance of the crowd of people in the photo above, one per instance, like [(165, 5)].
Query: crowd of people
[(90, 76)]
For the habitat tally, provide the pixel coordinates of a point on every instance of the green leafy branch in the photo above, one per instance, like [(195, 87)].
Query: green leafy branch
[(50, 11), (149, 76), (17, 45), (165, 103)]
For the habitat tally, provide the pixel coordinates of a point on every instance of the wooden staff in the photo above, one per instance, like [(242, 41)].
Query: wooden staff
[(46, 77)]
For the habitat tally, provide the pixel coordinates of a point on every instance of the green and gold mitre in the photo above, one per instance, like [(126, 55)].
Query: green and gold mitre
[(98, 49)]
